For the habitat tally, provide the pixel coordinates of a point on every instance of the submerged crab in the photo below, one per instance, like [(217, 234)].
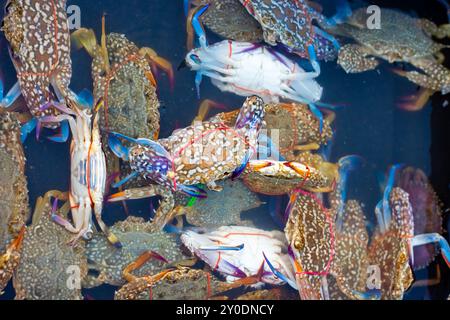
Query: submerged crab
[(203, 153), (14, 211), (401, 39), (39, 39), (227, 18), (106, 262), (240, 252), (292, 23), (217, 209), (173, 284), (49, 268), (294, 127), (122, 77), (426, 209)]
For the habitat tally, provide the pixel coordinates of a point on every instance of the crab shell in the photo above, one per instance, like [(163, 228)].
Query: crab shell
[(230, 20), (310, 233), (179, 284), (13, 187), (206, 152), (389, 250), (281, 177), (136, 236), (289, 125), (39, 40), (49, 267), (291, 23)]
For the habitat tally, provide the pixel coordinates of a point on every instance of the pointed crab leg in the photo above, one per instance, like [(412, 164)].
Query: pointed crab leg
[(11, 96), (139, 262), (160, 62), (204, 108), (193, 24)]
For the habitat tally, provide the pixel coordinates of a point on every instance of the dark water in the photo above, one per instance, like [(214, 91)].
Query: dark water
[(370, 125)]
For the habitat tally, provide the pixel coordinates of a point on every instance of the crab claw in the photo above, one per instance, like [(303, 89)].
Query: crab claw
[(63, 134), (278, 274), (11, 96), (193, 191), (117, 147), (27, 128), (193, 19)]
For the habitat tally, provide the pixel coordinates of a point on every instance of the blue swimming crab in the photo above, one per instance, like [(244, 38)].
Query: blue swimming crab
[(298, 25), (39, 39), (395, 235), (106, 263), (199, 154), (13, 195), (49, 268), (401, 38)]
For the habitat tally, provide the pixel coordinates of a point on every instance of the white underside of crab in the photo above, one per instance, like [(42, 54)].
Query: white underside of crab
[(88, 173), (249, 259), (246, 70), (283, 169)]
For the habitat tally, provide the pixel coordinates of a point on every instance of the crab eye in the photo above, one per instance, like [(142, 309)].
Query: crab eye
[(195, 58)]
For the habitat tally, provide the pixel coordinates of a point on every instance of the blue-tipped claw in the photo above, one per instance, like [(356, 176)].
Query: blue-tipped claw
[(117, 147), (63, 134), (278, 274), (328, 37), (27, 128), (198, 28), (223, 248), (193, 191), (11, 96), (198, 81), (428, 238)]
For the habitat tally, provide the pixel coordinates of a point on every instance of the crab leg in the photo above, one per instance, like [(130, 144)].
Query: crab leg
[(162, 63), (433, 238), (139, 262), (11, 96), (165, 210)]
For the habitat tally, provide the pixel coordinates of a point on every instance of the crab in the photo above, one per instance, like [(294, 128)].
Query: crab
[(49, 268), (240, 252), (106, 263), (13, 194), (123, 78), (203, 153), (181, 283), (297, 25), (294, 127), (426, 208), (395, 236), (227, 18), (87, 170), (217, 209), (401, 39), (39, 41)]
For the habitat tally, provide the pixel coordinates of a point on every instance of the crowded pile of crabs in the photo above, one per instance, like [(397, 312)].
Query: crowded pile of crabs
[(241, 201)]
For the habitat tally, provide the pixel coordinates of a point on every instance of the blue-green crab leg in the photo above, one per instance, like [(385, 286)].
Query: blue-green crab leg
[(198, 28), (27, 128), (328, 36), (142, 141), (11, 96), (125, 180), (428, 238)]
